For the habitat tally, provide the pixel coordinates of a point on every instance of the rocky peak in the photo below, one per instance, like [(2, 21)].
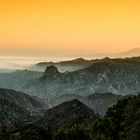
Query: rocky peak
[(51, 71)]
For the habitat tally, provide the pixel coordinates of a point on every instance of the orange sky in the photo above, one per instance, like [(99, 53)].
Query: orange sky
[(68, 27)]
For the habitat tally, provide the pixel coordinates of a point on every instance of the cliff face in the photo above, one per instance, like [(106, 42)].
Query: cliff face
[(51, 72)]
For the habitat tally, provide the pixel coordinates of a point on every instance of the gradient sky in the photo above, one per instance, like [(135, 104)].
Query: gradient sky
[(68, 27)]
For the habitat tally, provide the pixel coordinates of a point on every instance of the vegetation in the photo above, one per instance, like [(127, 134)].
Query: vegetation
[(121, 122), (77, 132)]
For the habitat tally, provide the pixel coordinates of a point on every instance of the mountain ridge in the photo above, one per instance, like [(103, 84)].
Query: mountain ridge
[(65, 115), (106, 75)]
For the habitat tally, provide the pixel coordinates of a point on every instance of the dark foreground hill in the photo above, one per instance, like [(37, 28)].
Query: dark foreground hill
[(17, 107), (65, 115), (13, 115), (22, 100), (121, 122)]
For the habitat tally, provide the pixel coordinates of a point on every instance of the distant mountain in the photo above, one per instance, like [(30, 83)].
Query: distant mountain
[(63, 66), (115, 78), (17, 107), (15, 80), (119, 76), (2, 70), (65, 115), (131, 53)]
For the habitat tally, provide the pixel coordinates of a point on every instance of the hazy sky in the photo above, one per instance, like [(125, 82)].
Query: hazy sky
[(68, 27)]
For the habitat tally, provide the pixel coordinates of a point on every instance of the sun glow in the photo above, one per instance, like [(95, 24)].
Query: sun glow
[(68, 27)]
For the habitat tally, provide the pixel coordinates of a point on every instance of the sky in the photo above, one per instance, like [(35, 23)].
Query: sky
[(68, 27)]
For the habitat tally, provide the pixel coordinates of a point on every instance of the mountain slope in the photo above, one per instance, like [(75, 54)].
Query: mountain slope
[(119, 76), (22, 100), (11, 114), (121, 122), (65, 115), (15, 80), (98, 102), (17, 108)]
